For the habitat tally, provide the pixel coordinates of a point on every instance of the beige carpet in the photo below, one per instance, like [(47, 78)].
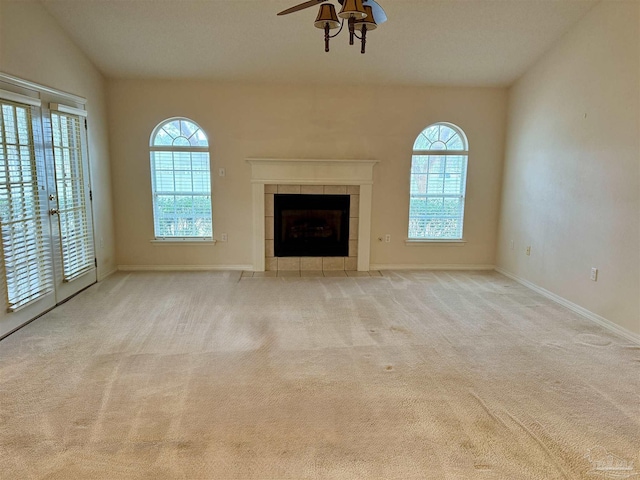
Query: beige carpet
[(429, 375)]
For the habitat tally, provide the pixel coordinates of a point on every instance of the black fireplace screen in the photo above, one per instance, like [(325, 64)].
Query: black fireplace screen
[(311, 225)]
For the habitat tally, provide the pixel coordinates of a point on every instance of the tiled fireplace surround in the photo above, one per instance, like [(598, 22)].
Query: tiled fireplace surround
[(349, 263), (270, 176)]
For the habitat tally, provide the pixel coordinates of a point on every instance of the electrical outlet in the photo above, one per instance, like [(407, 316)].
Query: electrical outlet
[(222, 172), (387, 238), (512, 244), (594, 274), (223, 237), (527, 250)]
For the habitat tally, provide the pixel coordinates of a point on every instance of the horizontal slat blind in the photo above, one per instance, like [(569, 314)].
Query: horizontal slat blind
[(75, 230), (437, 196), (26, 253)]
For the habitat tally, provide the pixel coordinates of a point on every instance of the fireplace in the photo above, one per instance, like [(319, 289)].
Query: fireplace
[(270, 176), (311, 225)]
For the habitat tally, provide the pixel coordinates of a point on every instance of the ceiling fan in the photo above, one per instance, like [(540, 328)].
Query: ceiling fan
[(361, 16)]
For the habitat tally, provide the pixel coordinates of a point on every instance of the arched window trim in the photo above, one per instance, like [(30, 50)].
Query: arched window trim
[(455, 128), (161, 125), (203, 148), (441, 152)]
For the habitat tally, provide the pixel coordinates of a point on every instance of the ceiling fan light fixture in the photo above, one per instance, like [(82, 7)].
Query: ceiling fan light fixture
[(327, 16), (367, 21), (359, 18), (352, 9)]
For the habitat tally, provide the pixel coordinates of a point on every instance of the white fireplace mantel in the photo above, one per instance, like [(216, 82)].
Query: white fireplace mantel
[(267, 171)]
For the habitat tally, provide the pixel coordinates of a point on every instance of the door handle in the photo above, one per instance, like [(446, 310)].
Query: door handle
[(54, 211)]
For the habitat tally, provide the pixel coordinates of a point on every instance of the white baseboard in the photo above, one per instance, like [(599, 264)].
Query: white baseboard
[(177, 268), (594, 317), (422, 266)]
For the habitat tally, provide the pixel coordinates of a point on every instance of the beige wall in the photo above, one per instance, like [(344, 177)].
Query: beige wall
[(572, 169), (34, 47), (302, 122)]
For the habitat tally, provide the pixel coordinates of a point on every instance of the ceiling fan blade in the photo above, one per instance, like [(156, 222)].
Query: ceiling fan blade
[(378, 13), (301, 6)]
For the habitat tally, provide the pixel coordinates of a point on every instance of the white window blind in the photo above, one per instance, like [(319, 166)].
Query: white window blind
[(438, 183), (26, 253), (181, 180), (75, 229)]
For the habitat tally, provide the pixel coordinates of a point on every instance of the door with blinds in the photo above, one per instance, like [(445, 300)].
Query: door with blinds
[(70, 212), (28, 279), (46, 231)]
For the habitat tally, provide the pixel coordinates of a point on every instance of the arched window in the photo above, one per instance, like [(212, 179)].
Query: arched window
[(438, 183), (180, 181)]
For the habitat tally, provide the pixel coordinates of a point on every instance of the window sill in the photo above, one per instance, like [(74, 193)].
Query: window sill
[(439, 243), (183, 241)]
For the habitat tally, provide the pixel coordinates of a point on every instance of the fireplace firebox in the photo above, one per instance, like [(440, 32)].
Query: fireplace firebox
[(311, 225)]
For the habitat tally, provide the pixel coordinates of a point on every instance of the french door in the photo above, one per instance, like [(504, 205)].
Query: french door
[(46, 231), (69, 203)]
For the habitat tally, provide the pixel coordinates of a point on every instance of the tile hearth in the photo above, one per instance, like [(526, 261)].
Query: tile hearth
[(311, 264), (310, 273)]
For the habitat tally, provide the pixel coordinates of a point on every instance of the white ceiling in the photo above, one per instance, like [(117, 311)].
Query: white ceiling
[(425, 42)]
